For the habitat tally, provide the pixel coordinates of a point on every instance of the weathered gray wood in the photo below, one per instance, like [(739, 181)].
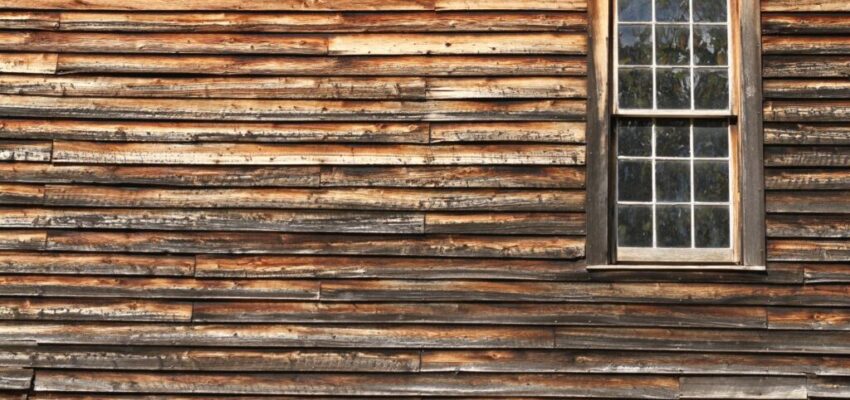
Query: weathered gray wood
[(797, 156), (454, 176), (808, 202), (94, 264), (806, 134), (808, 250), (815, 45), (98, 310), (294, 267), (216, 5), (198, 359), (125, 287), (805, 89), (828, 387), (29, 63), (804, 23), (807, 179), (24, 239), (596, 386), (506, 224), (804, 5), (548, 132), (784, 66), (758, 387), (222, 220), (808, 226), (137, 131), (16, 378), (378, 199), (475, 313), (279, 335), (807, 111), (13, 150), (556, 247), (827, 273)]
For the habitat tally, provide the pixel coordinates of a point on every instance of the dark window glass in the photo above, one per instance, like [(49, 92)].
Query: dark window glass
[(672, 45), (635, 10), (711, 225), (674, 88), (635, 87), (672, 138), (634, 137), (710, 11), (635, 42), (711, 181), (711, 89), (672, 11), (634, 181), (634, 226), (673, 181), (711, 138), (674, 226), (710, 45)]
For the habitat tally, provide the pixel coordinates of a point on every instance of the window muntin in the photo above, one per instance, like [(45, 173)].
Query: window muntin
[(675, 198), (672, 57)]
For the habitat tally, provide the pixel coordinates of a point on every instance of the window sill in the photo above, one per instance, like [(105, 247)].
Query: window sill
[(709, 267)]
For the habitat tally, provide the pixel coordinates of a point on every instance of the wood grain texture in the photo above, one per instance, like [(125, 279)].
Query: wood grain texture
[(807, 179), (803, 5), (806, 134), (16, 378), (773, 387), (99, 310), (789, 66), (804, 23), (808, 250), (809, 318), (29, 63), (453, 176), (199, 5), (821, 45), (808, 202), (507, 224), (805, 111), (798, 156), (421, 44), (15, 262), (810, 226), (552, 132)]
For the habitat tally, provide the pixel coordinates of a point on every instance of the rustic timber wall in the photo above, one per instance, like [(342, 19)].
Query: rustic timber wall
[(380, 198)]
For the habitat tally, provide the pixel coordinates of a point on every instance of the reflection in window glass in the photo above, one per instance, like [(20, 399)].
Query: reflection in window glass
[(683, 49), (673, 183)]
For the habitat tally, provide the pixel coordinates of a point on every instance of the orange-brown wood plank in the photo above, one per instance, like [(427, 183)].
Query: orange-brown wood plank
[(453, 176), (44, 263), (97, 310), (198, 5)]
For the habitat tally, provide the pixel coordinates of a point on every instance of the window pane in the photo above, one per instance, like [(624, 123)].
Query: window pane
[(634, 137), (634, 226), (674, 226), (710, 11), (710, 45), (635, 180), (635, 87), (711, 138), (674, 88), (672, 10), (673, 181), (635, 10), (711, 181), (635, 42), (711, 225), (673, 138), (711, 89), (673, 45)]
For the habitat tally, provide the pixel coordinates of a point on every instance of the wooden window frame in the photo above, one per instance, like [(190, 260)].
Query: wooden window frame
[(746, 105)]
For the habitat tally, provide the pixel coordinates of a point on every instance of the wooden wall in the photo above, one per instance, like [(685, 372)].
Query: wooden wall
[(359, 198)]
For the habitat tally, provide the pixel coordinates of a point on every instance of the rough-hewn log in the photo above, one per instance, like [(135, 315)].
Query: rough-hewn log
[(275, 154), (312, 244), (596, 386), (222, 220), (300, 22), (476, 313), (808, 226), (808, 202), (127, 287), (279, 335), (452, 177), (335, 198), (94, 264), (97, 310), (808, 250), (289, 110), (214, 266), (198, 359), (296, 66), (807, 179)]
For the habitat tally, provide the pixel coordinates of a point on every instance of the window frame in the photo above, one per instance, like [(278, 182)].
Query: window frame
[(745, 118)]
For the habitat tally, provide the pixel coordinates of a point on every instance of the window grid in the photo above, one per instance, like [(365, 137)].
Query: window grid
[(693, 203), (692, 68)]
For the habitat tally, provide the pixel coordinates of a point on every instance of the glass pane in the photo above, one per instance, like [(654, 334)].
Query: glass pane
[(672, 10), (634, 137), (634, 181), (635, 42), (673, 181), (672, 138), (672, 45), (711, 89), (710, 45), (674, 88), (709, 11), (635, 10), (674, 226), (711, 138), (635, 87), (711, 226), (711, 181), (634, 226)]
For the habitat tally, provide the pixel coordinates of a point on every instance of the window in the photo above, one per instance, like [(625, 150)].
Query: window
[(675, 147)]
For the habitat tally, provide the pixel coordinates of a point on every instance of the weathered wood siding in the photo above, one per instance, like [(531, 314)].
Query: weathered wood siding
[(361, 198)]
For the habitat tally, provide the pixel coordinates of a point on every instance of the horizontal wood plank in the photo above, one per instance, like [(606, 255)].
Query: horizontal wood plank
[(223, 220), (808, 318), (453, 177), (290, 110), (551, 132), (312, 66), (807, 179), (798, 156), (18, 150), (789, 66), (45, 20), (21, 194), (819, 45), (378, 199), (215, 5), (24, 239), (806, 89), (804, 23), (563, 5), (741, 387), (16, 379), (806, 111), (99, 310), (806, 134), (272, 154), (803, 5), (808, 226), (426, 44), (807, 202), (826, 273), (29, 63), (552, 247), (507, 224), (820, 250), (12, 262)]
